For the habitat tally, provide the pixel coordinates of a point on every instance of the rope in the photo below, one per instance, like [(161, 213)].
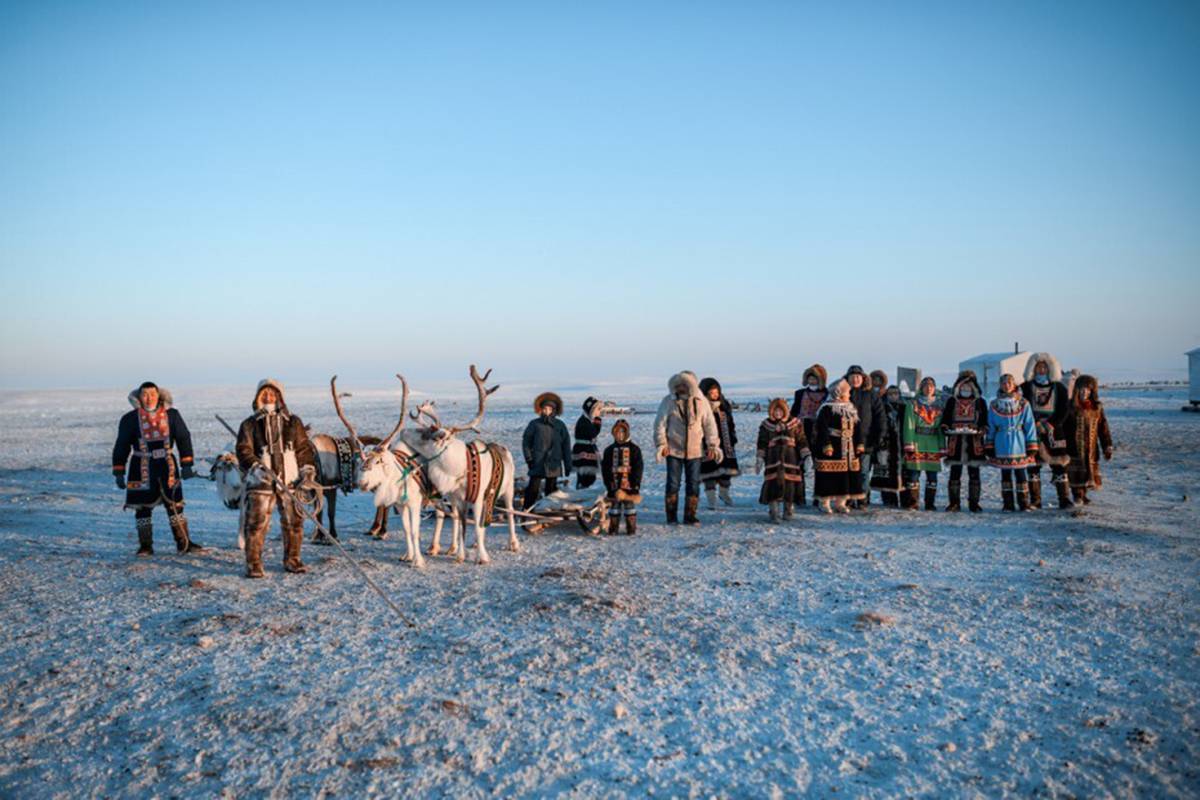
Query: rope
[(311, 488)]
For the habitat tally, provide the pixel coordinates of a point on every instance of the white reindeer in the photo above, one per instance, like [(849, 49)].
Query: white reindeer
[(232, 485), (446, 468), (393, 484)]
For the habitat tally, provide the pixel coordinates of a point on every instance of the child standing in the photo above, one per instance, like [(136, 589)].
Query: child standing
[(719, 474), (584, 453), (782, 449), (621, 467), (1012, 442), (1087, 435)]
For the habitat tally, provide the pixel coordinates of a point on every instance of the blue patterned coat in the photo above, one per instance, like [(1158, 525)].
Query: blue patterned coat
[(1012, 440)]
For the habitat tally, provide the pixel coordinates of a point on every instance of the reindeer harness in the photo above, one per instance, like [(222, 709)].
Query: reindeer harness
[(475, 474)]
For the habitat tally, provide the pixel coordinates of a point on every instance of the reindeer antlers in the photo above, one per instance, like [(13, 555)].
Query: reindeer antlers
[(426, 409), (387, 442), (337, 404), (479, 382)]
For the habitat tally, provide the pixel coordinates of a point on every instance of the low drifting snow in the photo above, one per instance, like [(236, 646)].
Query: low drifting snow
[(886, 654)]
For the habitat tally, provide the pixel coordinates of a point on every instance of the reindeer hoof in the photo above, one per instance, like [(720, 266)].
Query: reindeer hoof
[(406, 557), (418, 563), (433, 551)]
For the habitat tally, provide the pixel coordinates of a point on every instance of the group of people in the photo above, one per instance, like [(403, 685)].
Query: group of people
[(860, 435)]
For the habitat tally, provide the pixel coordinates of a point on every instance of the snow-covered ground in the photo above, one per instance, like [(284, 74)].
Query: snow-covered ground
[(1041, 654)]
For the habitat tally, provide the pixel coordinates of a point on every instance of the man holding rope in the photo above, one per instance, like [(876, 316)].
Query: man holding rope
[(275, 439)]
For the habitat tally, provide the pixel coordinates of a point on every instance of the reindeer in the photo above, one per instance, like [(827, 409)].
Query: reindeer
[(448, 462), (393, 477), (232, 485)]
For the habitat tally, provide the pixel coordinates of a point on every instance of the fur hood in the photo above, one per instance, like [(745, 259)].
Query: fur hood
[(1055, 371), (274, 384), (779, 403), (551, 398), (685, 378), (711, 383), (593, 407), (967, 376), (883, 378), (1086, 382), (817, 370), (620, 425), (164, 397)]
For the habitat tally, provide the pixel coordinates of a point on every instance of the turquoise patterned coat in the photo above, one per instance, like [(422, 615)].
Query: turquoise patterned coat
[(1011, 433)]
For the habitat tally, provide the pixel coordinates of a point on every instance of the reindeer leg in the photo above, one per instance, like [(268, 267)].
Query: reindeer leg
[(379, 526), (330, 514), (406, 526), (439, 518), (459, 549), (411, 516), (481, 535), (513, 544)]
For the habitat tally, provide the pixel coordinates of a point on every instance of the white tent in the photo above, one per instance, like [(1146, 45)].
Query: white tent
[(989, 367), (1194, 375)]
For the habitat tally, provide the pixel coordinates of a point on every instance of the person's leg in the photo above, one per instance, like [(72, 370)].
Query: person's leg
[(954, 487), (1023, 498), (256, 520), (1060, 486), (723, 489), (1006, 489), (1034, 486), (674, 475), (532, 490), (974, 488), (710, 492), (930, 490), (865, 471), (179, 529), (293, 534), (551, 485), (145, 531), (691, 471), (912, 488)]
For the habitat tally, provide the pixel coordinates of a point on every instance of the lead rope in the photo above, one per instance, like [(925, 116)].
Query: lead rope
[(309, 487)]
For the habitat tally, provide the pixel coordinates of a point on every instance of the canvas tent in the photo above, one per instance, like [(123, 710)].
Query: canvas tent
[(989, 367)]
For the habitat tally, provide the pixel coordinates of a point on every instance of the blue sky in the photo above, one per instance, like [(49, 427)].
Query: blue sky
[(211, 192)]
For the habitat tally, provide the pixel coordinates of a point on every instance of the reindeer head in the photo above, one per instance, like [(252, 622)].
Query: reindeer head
[(431, 438), (376, 464), (228, 477)]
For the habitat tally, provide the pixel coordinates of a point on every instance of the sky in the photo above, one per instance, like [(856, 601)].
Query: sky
[(212, 192)]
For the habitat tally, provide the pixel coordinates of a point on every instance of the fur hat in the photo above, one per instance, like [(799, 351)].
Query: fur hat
[(550, 398), (620, 425), (967, 376), (164, 397), (883, 377), (1053, 370), (818, 371), (1086, 382), (855, 369), (273, 384), (779, 403), (592, 407), (684, 378)]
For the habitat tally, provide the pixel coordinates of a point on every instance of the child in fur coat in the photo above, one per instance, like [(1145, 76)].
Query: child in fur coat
[(621, 468), (782, 449)]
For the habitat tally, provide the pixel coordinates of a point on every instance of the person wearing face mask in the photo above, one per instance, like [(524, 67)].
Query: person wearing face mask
[(685, 433), (887, 476), (782, 449), (1011, 442), (145, 438), (924, 443), (807, 401), (964, 422), (621, 467), (837, 449), (1047, 395), (719, 475), (585, 455), (870, 412), (274, 438), (1087, 434), (546, 445)]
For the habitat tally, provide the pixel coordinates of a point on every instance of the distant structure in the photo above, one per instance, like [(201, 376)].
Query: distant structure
[(988, 368), (1193, 380)]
